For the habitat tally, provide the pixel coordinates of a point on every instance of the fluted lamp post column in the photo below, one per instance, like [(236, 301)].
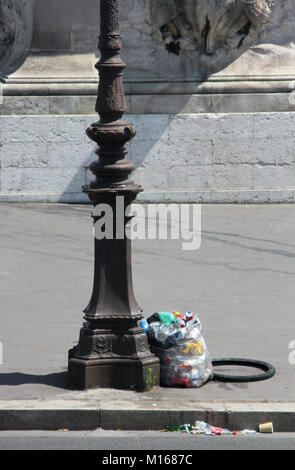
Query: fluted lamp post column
[(113, 350)]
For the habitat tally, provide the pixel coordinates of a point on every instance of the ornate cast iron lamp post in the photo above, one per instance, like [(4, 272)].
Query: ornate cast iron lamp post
[(112, 350)]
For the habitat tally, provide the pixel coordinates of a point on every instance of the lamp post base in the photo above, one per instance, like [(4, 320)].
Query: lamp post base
[(113, 359), (124, 374)]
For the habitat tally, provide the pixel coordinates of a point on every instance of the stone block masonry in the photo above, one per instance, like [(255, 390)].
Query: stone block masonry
[(239, 157), (65, 26)]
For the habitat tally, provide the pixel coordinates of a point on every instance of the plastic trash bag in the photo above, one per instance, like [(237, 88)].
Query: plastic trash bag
[(183, 354)]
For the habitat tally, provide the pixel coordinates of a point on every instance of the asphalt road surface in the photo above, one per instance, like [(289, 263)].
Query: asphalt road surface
[(140, 440), (240, 281)]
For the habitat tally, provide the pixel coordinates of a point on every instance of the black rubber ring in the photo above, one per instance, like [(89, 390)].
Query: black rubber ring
[(269, 370)]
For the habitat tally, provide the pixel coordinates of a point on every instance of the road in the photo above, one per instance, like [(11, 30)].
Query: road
[(143, 440), (241, 282)]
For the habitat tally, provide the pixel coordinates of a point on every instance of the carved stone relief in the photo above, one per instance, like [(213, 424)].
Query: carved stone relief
[(16, 23), (207, 25), (195, 38)]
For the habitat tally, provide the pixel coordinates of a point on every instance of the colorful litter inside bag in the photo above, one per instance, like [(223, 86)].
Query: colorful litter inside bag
[(178, 342)]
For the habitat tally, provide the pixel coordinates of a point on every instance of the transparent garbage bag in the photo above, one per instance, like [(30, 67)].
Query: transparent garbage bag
[(181, 348)]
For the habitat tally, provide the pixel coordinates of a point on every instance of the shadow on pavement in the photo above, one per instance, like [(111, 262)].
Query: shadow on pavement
[(58, 379)]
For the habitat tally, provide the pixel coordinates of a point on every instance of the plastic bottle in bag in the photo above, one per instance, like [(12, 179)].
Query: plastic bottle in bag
[(166, 317)]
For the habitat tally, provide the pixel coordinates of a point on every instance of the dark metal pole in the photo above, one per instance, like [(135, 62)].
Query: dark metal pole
[(112, 350)]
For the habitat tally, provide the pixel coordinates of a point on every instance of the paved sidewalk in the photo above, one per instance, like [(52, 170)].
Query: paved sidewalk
[(241, 282)]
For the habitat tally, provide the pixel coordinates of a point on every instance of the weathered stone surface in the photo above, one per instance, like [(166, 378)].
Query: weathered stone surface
[(47, 180), (252, 103), (245, 63), (16, 155), (16, 25), (230, 38), (20, 105), (61, 41), (246, 157), (258, 151), (189, 127), (247, 39), (23, 100), (208, 25), (72, 104), (182, 103), (274, 125)]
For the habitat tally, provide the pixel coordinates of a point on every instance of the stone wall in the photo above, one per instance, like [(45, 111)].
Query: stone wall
[(215, 114), (241, 45), (192, 157), (69, 26), (245, 69)]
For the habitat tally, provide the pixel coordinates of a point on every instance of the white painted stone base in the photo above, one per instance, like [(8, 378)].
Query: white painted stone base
[(241, 157)]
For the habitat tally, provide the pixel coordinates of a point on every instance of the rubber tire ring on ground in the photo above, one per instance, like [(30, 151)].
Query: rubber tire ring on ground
[(268, 369)]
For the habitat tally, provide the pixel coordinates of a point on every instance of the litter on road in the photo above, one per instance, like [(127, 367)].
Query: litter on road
[(200, 427)]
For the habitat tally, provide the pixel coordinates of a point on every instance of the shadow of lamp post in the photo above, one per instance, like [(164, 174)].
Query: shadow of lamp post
[(113, 350)]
